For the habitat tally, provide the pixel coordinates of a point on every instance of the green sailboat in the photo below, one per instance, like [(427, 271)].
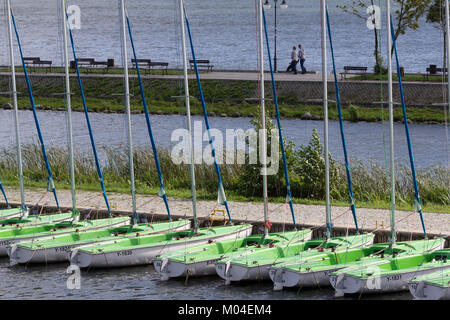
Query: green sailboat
[(433, 286), (10, 236), (143, 249), (19, 216), (256, 265), (392, 273), (315, 272), (200, 260), (34, 220), (53, 249), (57, 248)]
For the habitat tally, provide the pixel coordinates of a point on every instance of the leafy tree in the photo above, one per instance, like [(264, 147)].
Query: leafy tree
[(436, 15), (309, 171), (359, 9), (407, 15)]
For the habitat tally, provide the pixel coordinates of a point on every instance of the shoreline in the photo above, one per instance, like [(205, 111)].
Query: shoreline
[(227, 94), (407, 222)]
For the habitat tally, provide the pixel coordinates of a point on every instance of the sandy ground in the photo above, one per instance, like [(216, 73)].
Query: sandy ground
[(436, 223)]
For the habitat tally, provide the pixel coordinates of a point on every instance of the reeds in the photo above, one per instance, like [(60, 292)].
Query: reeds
[(370, 180)]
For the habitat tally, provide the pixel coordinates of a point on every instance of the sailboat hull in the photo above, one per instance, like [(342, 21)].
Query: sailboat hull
[(286, 278), (172, 268), (175, 269), (10, 213), (20, 255), (35, 220), (282, 277), (239, 272), (346, 283), (143, 255), (380, 284), (236, 272), (427, 291), (4, 244)]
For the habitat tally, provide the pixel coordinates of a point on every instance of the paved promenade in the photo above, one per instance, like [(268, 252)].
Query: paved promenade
[(215, 75), (437, 223)]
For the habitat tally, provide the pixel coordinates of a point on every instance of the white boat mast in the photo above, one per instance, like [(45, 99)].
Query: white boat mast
[(391, 119), (127, 106), (69, 112), (262, 133), (323, 6), (24, 208), (188, 116)]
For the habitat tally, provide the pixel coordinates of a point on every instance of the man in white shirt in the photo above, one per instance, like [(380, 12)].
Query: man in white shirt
[(302, 57), (294, 61)]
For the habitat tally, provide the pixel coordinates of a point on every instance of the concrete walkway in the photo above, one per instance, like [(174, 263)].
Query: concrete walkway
[(215, 75), (437, 223)]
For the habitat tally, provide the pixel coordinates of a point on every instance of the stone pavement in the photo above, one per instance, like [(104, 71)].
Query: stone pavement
[(437, 223)]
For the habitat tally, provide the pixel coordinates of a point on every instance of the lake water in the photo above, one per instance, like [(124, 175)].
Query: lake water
[(224, 32), (364, 140), (50, 282)]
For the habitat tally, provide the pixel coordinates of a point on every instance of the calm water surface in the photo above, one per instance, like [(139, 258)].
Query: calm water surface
[(49, 282), (224, 32), (364, 140)]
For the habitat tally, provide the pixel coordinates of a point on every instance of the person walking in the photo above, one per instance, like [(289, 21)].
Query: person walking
[(302, 57), (294, 60)]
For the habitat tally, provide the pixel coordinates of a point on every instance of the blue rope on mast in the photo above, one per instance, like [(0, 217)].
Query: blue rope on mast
[(91, 136), (341, 126), (162, 192), (4, 194), (286, 174), (50, 182), (205, 115), (417, 205)]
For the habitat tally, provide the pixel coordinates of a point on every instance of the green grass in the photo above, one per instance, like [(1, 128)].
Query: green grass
[(370, 181), (406, 78), (427, 115)]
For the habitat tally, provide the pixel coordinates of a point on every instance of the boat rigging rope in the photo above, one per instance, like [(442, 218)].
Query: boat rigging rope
[(275, 98), (4, 194), (417, 202), (162, 192), (88, 122), (50, 182), (221, 192), (341, 126)]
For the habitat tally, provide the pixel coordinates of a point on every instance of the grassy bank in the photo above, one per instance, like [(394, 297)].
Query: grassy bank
[(230, 109), (224, 98), (241, 182)]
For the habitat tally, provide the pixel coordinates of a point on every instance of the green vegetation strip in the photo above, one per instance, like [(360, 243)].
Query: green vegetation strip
[(242, 182), (225, 98)]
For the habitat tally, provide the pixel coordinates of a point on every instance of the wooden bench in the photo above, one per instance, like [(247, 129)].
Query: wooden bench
[(432, 70), (362, 71), (37, 62), (148, 64), (91, 63), (159, 65), (202, 65), (142, 63)]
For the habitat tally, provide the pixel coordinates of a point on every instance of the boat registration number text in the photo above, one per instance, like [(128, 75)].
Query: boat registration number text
[(394, 277), (125, 253)]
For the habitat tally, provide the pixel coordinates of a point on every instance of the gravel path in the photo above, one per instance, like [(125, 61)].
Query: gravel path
[(437, 223)]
